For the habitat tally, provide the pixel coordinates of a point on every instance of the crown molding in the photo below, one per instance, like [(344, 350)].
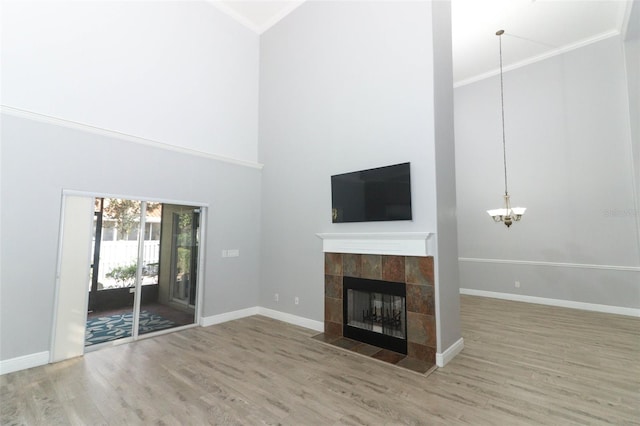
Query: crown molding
[(538, 58), (624, 18), (256, 28), (279, 16), (43, 118), (237, 16)]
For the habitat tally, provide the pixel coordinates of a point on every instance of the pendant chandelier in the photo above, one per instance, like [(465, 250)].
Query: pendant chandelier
[(507, 214)]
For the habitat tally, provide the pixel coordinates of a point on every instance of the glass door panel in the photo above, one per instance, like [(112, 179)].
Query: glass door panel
[(114, 270), (169, 301)]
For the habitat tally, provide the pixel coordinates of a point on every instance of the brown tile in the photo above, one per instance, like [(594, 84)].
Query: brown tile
[(393, 268), (333, 286), (431, 331), (326, 338), (421, 352), (388, 356), (419, 270), (420, 299), (416, 331), (333, 263), (421, 329), (417, 365), (352, 265), (345, 343), (426, 364), (333, 310), (366, 349), (372, 266), (333, 329)]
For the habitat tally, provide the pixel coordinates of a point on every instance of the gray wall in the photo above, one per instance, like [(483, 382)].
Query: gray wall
[(40, 160), (570, 163), (178, 72), (344, 86)]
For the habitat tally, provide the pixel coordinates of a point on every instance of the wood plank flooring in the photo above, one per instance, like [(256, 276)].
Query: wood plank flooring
[(522, 364)]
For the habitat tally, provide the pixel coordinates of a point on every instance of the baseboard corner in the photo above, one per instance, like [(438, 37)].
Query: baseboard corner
[(228, 316), (259, 310), (443, 358), (292, 319)]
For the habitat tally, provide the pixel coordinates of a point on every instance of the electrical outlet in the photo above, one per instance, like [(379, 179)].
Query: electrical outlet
[(296, 300), (225, 253), (517, 284), (233, 252), (276, 297)]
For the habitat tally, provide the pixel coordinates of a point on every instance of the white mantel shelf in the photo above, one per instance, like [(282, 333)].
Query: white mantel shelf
[(389, 243)]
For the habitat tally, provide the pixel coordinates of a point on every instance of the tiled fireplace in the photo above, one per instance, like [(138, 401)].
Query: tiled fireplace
[(413, 273)]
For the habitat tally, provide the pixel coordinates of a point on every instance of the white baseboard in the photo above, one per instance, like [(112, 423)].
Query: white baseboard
[(443, 358), (619, 310), (292, 319), (258, 310), (228, 316), (24, 362)]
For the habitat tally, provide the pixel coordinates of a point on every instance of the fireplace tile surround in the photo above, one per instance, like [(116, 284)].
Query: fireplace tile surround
[(416, 272)]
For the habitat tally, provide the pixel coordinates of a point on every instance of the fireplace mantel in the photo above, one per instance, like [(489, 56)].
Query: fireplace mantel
[(387, 243)]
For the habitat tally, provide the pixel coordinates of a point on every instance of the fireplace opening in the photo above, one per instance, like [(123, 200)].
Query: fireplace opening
[(374, 312)]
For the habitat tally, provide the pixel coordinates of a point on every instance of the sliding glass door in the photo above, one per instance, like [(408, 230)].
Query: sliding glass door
[(144, 269), (175, 273)]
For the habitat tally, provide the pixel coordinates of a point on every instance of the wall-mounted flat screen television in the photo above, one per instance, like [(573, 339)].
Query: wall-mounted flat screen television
[(379, 194)]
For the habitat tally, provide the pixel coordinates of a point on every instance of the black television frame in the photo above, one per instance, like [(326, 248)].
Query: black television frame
[(372, 195)]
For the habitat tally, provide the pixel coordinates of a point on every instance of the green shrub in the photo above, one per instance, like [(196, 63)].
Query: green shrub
[(124, 274)]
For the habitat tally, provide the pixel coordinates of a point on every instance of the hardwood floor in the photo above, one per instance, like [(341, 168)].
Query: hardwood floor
[(522, 364)]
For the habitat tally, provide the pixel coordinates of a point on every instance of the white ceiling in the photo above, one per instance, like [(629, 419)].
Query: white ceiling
[(534, 29)]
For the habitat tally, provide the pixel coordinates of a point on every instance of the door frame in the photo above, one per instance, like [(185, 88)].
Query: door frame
[(201, 268)]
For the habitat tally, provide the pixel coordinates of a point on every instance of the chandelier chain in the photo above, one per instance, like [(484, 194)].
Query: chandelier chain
[(504, 145)]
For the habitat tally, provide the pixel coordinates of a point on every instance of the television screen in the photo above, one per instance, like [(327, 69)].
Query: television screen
[(379, 194)]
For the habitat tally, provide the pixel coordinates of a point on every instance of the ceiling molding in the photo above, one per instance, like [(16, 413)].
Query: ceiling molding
[(48, 119), (630, 24), (239, 17), (279, 16), (538, 58), (258, 28)]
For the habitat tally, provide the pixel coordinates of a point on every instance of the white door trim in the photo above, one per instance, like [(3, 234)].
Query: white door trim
[(74, 258)]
